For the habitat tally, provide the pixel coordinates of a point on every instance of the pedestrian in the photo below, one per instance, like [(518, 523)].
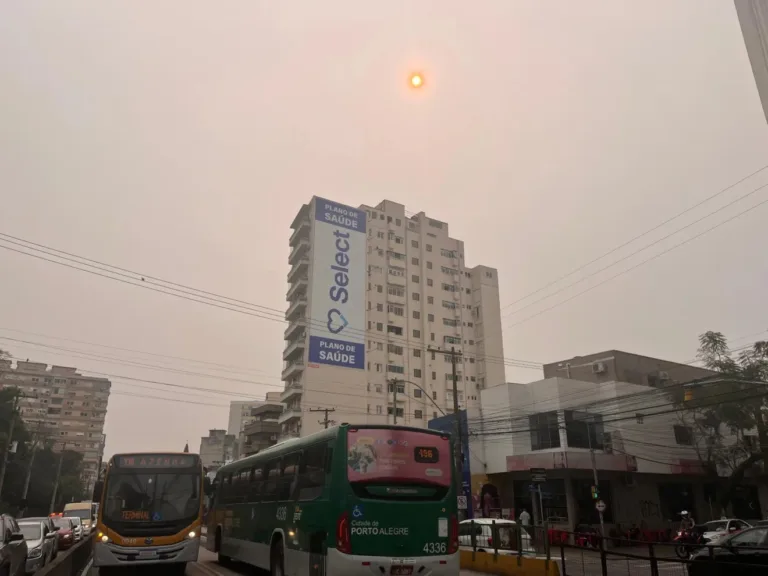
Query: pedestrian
[(525, 518)]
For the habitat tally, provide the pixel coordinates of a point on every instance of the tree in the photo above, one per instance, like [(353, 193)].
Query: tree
[(43, 469), (724, 412)]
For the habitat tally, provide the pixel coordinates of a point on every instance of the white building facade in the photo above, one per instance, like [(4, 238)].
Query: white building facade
[(646, 454), (376, 300)]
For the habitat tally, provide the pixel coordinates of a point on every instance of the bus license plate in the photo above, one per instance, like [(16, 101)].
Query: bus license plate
[(401, 570)]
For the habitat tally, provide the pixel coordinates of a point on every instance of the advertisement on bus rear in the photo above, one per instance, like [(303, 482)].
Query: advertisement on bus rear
[(402, 456), (337, 328)]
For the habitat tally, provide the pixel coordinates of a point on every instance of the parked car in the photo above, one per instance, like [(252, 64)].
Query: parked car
[(41, 543), (78, 527), (483, 528), (51, 528), (13, 547), (66, 532), (744, 553)]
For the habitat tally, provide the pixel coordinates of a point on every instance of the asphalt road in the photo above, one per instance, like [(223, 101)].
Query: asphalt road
[(207, 566)]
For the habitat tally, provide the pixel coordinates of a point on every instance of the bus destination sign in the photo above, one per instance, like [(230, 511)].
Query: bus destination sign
[(155, 461)]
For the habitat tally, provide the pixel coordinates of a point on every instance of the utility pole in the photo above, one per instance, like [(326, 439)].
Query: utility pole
[(594, 475), (56, 482), (9, 443), (393, 383), (325, 421), (31, 462)]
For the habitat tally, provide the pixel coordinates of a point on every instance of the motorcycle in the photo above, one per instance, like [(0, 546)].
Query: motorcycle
[(686, 542)]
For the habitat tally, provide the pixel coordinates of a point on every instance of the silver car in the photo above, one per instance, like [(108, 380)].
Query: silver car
[(41, 543), (77, 528)]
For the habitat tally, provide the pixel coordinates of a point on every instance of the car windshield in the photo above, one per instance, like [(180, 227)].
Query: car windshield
[(158, 497), (716, 525), (83, 513), (31, 531), (75, 520), (62, 523)]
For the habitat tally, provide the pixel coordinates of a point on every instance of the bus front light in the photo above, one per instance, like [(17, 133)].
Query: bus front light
[(105, 538), (192, 534)]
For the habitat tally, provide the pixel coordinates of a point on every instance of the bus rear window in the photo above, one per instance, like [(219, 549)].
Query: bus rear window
[(384, 455)]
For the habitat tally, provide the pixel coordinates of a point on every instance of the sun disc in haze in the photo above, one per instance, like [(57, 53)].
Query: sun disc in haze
[(416, 80)]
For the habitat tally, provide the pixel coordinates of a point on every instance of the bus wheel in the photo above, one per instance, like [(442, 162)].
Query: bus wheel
[(276, 560)]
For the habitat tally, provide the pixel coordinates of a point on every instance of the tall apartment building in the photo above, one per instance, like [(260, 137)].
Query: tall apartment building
[(753, 18), (63, 405), (217, 449), (375, 300)]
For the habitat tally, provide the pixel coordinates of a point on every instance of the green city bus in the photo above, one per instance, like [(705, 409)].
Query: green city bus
[(345, 501)]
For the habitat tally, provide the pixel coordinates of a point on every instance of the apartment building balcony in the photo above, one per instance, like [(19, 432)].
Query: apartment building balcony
[(301, 232), (289, 415), (294, 350), (287, 436), (396, 280), (268, 426), (297, 308), (292, 392), (302, 216), (300, 268), (395, 299), (301, 249), (300, 285), (295, 327), (293, 369)]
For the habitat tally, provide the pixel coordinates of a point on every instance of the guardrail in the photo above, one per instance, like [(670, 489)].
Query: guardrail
[(72, 562)]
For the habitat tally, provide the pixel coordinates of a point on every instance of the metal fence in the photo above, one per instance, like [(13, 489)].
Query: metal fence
[(70, 563), (587, 554)]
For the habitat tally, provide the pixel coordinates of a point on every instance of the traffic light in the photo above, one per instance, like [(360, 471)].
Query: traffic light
[(595, 493)]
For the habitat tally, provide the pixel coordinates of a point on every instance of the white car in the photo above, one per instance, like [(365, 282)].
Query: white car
[(716, 529), (41, 544), (77, 527), (483, 529)]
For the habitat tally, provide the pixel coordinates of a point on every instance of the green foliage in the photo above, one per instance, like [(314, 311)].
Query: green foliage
[(730, 405), (43, 469)]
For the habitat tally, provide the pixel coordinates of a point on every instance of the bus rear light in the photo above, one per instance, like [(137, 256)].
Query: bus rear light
[(343, 541), (453, 535)]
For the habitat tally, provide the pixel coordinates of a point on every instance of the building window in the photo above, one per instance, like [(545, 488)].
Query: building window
[(379, 288), (429, 282), (449, 305), (397, 222), (417, 393), (417, 333), (545, 432), (379, 326), (379, 307), (448, 287), (429, 247), (430, 317), (414, 243), (396, 291), (395, 271), (432, 336), (448, 253), (450, 322), (417, 353), (434, 377), (584, 430), (417, 414), (400, 388), (399, 411), (430, 300), (415, 296), (395, 369), (394, 349), (415, 261), (394, 330), (417, 373), (416, 315), (378, 409), (396, 310), (415, 279), (683, 435), (429, 265), (378, 388)]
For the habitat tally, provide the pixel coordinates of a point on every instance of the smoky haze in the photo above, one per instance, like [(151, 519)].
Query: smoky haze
[(179, 139)]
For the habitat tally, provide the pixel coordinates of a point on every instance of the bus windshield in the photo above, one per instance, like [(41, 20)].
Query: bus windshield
[(386, 455), (152, 497), (82, 513)]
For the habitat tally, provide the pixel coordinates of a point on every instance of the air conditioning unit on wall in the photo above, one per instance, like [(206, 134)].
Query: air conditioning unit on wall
[(598, 368)]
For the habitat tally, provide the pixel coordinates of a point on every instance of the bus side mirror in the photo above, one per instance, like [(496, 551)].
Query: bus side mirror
[(98, 488), (207, 486)]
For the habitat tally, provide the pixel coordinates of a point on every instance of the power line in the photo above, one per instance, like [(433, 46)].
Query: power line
[(699, 235), (202, 297), (628, 242), (631, 254)]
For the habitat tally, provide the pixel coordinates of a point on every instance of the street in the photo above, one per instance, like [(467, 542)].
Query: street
[(207, 566)]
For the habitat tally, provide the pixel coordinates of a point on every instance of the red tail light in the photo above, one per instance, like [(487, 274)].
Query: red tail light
[(490, 541), (453, 535), (343, 541)]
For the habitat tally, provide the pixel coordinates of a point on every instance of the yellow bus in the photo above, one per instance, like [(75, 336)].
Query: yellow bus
[(150, 511)]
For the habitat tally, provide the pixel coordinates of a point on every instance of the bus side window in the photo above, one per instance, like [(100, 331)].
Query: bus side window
[(288, 476), (256, 484), (243, 486), (312, 473), (226, 488), (271, 474)]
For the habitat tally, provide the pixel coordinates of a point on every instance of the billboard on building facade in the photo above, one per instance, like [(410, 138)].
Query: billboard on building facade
[(337, 300)]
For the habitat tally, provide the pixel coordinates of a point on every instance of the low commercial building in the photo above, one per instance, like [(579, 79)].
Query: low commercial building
[(263, 429), (644, 451)]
